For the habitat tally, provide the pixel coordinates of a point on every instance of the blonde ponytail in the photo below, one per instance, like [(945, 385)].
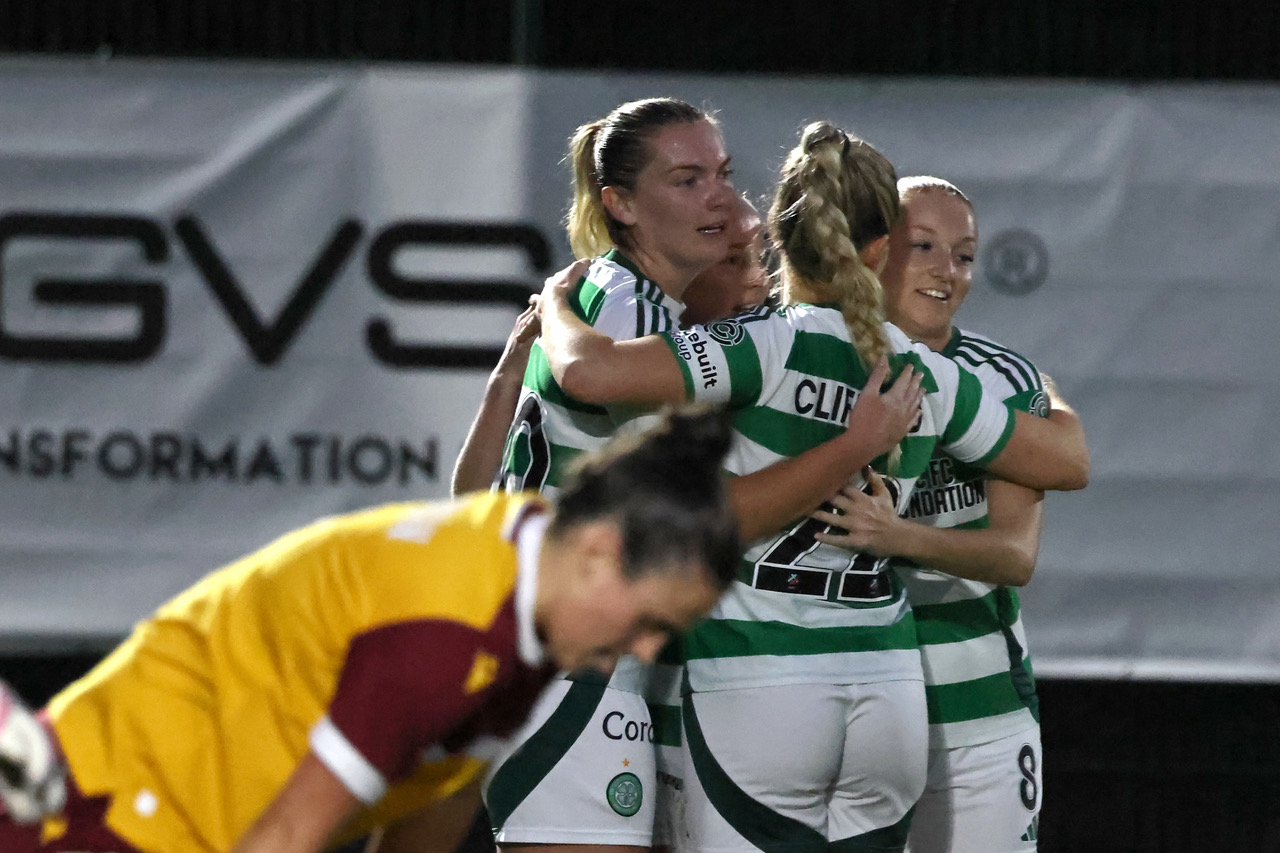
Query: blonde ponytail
[(588, 231), (836, 196)]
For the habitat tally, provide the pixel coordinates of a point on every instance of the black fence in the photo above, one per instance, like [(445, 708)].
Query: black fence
[(1175, 39), (1130, 767)]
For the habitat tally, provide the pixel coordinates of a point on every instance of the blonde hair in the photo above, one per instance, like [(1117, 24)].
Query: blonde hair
[(612, 151), (915, 184), (837, 194)]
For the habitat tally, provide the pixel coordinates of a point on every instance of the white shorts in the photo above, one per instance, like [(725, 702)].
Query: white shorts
[(663, 696), (981, 799), (579, 771), (795, 767)]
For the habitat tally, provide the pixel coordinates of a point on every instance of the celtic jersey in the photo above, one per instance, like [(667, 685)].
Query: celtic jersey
[(800, 611), (551, 429), (977, 671)]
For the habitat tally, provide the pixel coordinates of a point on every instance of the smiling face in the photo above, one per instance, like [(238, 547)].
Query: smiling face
[(679, 213), (930, 266), (589, 614)]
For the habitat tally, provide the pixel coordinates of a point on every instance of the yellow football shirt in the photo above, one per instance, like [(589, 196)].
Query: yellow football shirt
[(373, 639)]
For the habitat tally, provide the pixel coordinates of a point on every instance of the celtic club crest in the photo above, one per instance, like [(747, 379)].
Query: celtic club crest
[(625, 794)]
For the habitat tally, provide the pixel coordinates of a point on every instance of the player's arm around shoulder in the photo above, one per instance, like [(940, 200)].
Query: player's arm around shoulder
[(594, 368), (1015, 517), (1045, 453), (481, 455), (766, 500), (1070, 432)]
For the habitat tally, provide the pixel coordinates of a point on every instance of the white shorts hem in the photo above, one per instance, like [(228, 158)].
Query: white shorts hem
[(524, 835)]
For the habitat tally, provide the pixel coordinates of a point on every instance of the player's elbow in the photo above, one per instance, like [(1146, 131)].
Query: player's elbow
[(1081, 481), (1076, 474), (1065, 473), (1020, 568), (1071, 451)]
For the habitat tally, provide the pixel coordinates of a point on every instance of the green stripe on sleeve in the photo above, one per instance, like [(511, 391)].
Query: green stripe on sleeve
[(999, 446), (746, 381), (968, 396), (684, 365), (538, 377), (588, 301), (1022, 400)]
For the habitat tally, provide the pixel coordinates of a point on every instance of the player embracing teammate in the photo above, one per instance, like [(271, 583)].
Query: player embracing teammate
[(864, 681), (805, 711)]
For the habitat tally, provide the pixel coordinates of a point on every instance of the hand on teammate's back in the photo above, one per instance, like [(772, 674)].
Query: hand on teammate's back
[(863, 521), (560, 285), (515, 354), (887, 416)]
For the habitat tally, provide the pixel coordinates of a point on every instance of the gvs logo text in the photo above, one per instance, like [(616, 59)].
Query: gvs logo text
[(266, 338)]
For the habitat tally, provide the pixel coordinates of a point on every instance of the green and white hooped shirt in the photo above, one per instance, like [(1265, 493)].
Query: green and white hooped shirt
[(551, 429), (803, 612), (978, 678)]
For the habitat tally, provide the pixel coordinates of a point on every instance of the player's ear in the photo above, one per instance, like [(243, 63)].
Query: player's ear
[(618, 202), (876, 253)]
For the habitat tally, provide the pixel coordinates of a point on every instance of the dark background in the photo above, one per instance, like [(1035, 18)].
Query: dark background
[(1130, 766), (1126, 39)]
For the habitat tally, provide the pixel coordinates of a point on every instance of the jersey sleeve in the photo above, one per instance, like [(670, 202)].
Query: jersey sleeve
[(624, 317), (978, 424), (725, 361), (403, 687), (625, 313), (1003, 372), (614, 304), (1028, 396)]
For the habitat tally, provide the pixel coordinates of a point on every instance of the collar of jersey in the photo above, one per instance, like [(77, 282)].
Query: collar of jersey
[(953, 343), (675, 306), (528, 540), (626, 263)]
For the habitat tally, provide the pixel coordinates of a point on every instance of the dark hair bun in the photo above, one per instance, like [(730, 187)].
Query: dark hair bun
[(665, 489), (696, 434)]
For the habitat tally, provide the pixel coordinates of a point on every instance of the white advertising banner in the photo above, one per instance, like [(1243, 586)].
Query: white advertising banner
[(234, 298), (1130, 243), (232, 301)]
